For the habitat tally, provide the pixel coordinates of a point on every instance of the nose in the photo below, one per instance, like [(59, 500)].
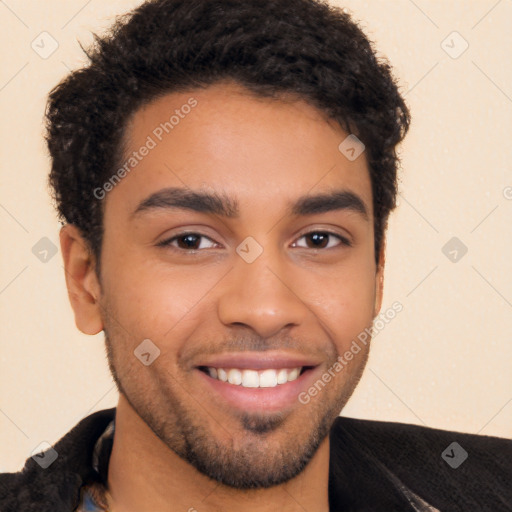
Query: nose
[(261, 295)]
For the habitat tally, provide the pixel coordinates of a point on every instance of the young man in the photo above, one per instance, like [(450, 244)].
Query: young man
[(225, 171)]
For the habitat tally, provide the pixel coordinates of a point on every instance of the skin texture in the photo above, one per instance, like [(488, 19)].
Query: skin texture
[(172, 431)]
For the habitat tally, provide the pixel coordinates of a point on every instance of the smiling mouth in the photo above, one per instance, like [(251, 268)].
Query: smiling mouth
[(248, 378)]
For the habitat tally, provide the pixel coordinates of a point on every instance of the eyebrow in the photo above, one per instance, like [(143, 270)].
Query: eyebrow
[(224, 206)]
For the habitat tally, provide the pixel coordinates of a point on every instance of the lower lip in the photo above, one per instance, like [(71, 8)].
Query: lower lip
[(278, 398)]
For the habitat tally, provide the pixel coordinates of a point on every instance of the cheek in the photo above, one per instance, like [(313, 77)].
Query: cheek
[(152, 299), (343, 303)]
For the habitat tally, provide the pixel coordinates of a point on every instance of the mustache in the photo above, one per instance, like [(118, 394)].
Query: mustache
[(251, 343)]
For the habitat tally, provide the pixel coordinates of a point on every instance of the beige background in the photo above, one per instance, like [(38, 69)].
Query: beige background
[(444, 362)]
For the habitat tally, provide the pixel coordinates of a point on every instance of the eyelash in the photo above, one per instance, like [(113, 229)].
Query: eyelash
[(167, 243)]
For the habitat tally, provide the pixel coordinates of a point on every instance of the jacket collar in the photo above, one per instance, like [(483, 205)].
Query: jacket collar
[(356, 477), (60, 482)]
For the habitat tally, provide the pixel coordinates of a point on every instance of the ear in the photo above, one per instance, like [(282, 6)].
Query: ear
[(379, 278), (83, 287)]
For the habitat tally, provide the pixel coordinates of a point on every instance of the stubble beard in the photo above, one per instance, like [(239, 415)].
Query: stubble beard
[(247, 461)]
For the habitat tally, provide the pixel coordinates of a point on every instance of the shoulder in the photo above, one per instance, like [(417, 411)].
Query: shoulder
[(57, 486), (444, 467)]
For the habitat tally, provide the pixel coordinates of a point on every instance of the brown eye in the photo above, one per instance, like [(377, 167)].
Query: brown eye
[(185, 242), (188, 241), (323, 240)]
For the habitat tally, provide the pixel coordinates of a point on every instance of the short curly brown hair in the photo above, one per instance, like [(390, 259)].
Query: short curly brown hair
[(305, 47)]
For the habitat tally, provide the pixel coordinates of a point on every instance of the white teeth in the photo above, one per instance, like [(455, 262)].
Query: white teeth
[(235, 376), (293, 374), (282, 376), (269, 378), (250, 379)]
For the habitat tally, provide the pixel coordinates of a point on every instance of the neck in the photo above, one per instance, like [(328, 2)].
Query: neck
[(145, 475)]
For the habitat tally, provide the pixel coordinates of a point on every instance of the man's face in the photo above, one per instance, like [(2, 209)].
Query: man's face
[(261, 291)]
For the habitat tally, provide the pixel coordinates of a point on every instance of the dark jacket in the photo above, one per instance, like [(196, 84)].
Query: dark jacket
[(374, 466)]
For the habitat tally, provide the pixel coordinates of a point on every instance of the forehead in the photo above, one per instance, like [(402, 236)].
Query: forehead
[(260, 151)]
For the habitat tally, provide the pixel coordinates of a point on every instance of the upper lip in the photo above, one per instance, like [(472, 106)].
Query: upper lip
[(258, 360)]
